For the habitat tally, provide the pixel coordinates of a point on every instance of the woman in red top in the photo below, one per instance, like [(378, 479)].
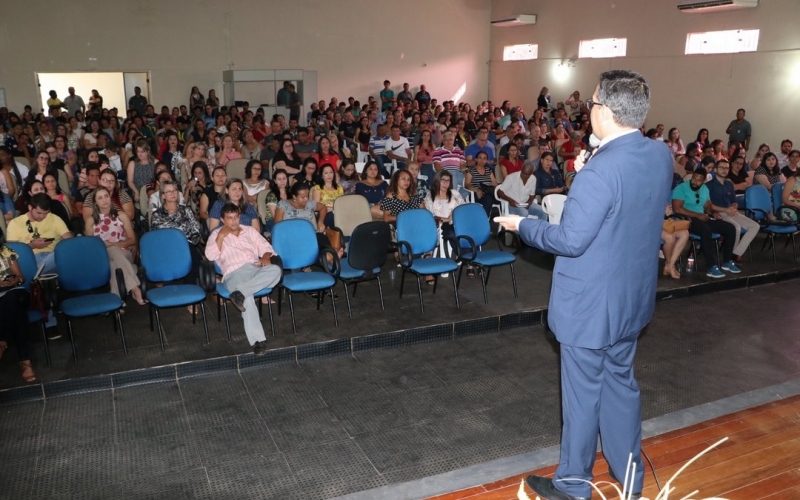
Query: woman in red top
[(325, 154), (512, 163)]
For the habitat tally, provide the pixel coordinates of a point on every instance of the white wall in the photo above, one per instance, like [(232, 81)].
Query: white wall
[(110, 86), (353, 44), (688, 92)]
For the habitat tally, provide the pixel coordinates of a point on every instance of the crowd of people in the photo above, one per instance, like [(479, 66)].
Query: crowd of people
[(85, 169)]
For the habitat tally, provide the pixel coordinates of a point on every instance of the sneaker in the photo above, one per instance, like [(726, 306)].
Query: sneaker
[(52, 333), (260, 348), (731, 267), (714, 272), (237, 299)]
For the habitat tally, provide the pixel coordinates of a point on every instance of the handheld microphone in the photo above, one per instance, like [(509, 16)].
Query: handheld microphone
[(594, 142)]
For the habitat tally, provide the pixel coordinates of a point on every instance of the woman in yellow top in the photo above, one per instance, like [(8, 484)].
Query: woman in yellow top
[(327, 190)]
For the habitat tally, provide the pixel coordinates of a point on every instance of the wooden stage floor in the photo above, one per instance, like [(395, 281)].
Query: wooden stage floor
[(760, 460)]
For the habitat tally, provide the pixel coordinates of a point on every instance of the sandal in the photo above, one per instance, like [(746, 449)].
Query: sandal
[(430, 280), (3, 347), (28, 374), (470, 272), (672, 272), (268, 300)]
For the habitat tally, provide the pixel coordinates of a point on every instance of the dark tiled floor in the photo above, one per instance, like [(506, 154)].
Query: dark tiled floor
[(328, 427), (100, 351)]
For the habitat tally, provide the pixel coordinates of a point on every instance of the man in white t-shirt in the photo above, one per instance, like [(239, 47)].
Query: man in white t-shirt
[(397, 148), (519, 190)]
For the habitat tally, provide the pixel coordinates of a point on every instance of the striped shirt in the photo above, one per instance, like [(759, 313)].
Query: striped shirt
[(378, 144), (449, 160), (237, 251)]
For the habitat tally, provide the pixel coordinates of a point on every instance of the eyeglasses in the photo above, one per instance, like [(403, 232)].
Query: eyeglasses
[(170, 191), (590, 104)]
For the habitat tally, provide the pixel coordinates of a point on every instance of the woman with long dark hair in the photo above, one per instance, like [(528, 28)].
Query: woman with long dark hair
[(768, 173)]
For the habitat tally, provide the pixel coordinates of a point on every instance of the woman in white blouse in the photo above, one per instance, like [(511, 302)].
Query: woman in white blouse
[(442, 200)]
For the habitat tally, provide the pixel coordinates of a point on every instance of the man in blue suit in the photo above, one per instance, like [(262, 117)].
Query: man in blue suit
[(604, 285)]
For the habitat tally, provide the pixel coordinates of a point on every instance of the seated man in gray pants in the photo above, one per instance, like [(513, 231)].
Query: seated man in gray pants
[(244, 257), (723, 200)]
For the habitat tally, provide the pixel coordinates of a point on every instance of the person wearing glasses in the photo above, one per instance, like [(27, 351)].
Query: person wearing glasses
[(692, 199), (41, 230), (722, 192), (604, 285)]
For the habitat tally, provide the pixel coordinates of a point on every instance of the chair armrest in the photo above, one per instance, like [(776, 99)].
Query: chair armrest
[(276, 260), (453, 251), (781, 222), (329, 261), (501, 243), (473, 249), (406, 257), (204, 232), (121, 288), (207, 276), (143, 284)]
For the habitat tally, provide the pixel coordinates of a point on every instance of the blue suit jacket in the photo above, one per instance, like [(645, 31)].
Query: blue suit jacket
[(604, 280)]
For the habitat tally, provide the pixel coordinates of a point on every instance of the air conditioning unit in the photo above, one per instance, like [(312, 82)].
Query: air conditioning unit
[(706, 6), (520, 20)]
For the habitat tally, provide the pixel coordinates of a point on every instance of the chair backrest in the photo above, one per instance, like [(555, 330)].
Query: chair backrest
[(418, 228), (756, 199), (165, 254), (23, 160), (144, 203), (553, 206), (63, 181), (470, 220), (360, 166), (368, 245), (295, 242), (261, 204), (350, 211), (82, 264), (777, 196), (235, 168), (26, 259)]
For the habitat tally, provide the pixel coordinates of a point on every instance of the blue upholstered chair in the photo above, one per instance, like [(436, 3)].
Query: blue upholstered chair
[(418, 235), (27, 264), (369, 243), (472, 232), (165, 259), (295, 241), (759, 207), (83, 268)]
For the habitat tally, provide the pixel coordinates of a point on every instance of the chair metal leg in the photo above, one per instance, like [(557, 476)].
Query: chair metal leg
[(257, 300), (347, 297), (402, 281), (227, 320), (72, 340), (484, 278), (380, 292), (435, 283), (333, 305), (118, 316), (219, 312), (355, 289), (460, 270), (205, 321), (150, 311), (320, 293), (114, 323), (280, 299), (794, 250), (455, 291), (419, 291), (160, 330), (194, 314), (291, 309), (514, 281), (46, 346), (772, 243), (269, 310)]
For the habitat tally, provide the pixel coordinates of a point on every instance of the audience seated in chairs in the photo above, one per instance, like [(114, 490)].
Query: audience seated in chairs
[(116, 231), (769, 173), (691, 199), (422, 185), (200, 180), (219, 178), (519, 190), (481, 180), (141, 168), (308, 174), (39, 229), (373, 188), (348, 177), (401, 196), (723, 201), (244, 257), (548, 178), (675, 240), (36, 187), (234, 193), (442, 200), (154, 202), (791, 197), (326, 191), (279, 191), (13, 313), (301, 206), (254, 182)]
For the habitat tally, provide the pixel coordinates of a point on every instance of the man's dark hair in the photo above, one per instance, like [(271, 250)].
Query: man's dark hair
[(785, 141), (627, 94), (708, 160), (90, 165), (741, 109), (720, 162), (692, 146), (40, 201), (700, 171), (230, 208)]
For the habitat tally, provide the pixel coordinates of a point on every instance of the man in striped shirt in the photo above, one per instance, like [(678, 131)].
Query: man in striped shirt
[(244, 257)]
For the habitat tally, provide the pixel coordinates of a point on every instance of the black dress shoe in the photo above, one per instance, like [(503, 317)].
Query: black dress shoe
[(260, 348), (237, 299), (634, 496), (544, 487)]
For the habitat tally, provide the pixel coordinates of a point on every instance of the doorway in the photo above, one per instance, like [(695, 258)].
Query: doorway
[(115, 87)]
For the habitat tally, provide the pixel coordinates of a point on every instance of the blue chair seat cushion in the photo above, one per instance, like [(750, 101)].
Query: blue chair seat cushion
[(223, 292), (781, 229), (494, 258), (34, 316), (714, 236), (349, 272), (435, 265), (90, 305), (307, 282), (175, 295)]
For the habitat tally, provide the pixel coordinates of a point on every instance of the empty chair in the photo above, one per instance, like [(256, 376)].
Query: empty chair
[(166, 259), (418, 235), (366, 257), (83, 268), (295, 240), (350, 211), (553, 206), (235, 168), (472, 232)]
